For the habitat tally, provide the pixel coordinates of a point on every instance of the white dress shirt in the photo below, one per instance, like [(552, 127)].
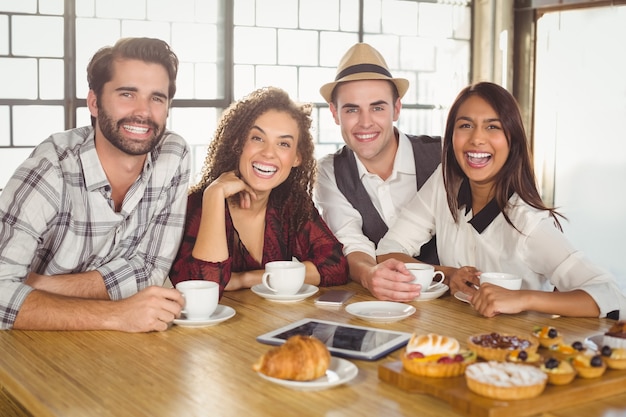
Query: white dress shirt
[(538, 252), (388, 197)]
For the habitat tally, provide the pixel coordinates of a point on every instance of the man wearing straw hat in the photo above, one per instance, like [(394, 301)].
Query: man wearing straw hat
[(362, 187)]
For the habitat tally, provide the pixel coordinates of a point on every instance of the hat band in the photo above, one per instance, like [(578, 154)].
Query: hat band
[(355, 69)]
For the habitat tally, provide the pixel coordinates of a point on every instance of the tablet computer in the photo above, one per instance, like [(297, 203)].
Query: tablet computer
[(345, 340)]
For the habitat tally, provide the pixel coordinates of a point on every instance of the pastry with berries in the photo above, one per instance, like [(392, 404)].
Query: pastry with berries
[(547, 336), (615, 337), (560, 372), (565, 351), (589, 365), (496, 346), (523, 357), (615, 358), (436, 356)]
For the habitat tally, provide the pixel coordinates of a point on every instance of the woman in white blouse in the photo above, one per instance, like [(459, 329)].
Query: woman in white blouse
[(484, 207)]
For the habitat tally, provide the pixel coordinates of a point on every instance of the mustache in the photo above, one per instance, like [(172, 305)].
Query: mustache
[(139, 121)]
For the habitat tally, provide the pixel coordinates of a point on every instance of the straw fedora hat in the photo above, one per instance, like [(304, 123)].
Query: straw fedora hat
[(362, 62)]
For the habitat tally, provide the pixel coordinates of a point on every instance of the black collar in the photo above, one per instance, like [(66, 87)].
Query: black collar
[(484, 217)]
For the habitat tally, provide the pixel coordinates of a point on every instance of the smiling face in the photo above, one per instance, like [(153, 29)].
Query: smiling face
[(365, 110), (480, 144), (270, 151), (132, 109)]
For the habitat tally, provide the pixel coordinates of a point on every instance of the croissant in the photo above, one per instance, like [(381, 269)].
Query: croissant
[(300, 358)]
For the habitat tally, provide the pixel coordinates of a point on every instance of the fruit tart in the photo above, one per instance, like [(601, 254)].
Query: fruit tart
[(523, 357), (496, 346), (505, 380), (436, 356), (589, 365), (300, 358), (615, 358), (565, 351), (560, 372), (547, 336)]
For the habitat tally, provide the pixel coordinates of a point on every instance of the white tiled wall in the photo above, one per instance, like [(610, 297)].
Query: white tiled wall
[(11, 158)]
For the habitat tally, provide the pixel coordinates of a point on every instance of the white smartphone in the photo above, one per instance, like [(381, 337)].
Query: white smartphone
[(334, 297)]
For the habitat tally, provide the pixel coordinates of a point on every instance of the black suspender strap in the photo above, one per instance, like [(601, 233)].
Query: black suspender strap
[(427, 156)]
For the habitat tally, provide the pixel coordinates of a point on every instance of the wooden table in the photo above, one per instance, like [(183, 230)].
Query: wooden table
[(207, 371)]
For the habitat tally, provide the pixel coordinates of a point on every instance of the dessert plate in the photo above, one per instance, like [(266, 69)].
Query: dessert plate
[(304, 292), (595, 342), (339, 372), (380, 311), (435, 292), (220, 314), (459, 295)]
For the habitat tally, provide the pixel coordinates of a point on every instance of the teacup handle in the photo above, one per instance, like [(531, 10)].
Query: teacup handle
[(183, 311), (442, 276), (265, 278)]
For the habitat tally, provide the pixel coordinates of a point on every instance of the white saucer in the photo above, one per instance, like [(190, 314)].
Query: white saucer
[(595, 342), (339, 372), (459, 295), (220, 314), (304, 292), (380, 311), (435, 292)]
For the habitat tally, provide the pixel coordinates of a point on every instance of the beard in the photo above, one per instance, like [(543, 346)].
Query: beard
[(113, 132)]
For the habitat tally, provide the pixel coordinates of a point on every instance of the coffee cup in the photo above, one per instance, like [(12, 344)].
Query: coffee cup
[(284, 277), (424, 275), (201, 298), (502, 279)]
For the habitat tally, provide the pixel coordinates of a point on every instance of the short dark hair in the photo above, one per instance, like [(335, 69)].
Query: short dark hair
[(100, 68)]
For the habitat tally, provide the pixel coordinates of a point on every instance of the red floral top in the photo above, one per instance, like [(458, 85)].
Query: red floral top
[(314, 242)]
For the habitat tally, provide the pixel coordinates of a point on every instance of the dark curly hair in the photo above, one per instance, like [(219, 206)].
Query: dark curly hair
[(227, 145), (517, 175)]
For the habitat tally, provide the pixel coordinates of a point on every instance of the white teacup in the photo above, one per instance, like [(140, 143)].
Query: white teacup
[(201, 298), (424, 275), (284, 277), (502, 279)]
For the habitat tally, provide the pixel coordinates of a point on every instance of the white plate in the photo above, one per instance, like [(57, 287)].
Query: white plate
[(304, 292), (459, 295), (595, 342), (435, 292), (380, 311), (220, 314), (339, 372)]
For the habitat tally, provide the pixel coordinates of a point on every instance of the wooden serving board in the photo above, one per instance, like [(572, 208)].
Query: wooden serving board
[(455, 392)]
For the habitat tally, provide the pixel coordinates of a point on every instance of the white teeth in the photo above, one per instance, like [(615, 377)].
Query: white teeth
[(268, 169), (478, 155), (365, 137), (136, 129)]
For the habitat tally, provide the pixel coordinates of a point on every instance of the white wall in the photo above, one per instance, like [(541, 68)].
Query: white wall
[(11, 158), (580, 131)]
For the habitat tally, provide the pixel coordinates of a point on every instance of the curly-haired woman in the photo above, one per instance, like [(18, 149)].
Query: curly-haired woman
[(253, 204)]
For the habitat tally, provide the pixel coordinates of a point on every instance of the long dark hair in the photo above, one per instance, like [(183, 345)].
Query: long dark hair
[(230, 136), (517, 175)]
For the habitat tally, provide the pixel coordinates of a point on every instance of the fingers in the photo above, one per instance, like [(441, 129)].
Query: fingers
[(152, 309), (465, 279), (246, 197), (492, 300), (391, 285)]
